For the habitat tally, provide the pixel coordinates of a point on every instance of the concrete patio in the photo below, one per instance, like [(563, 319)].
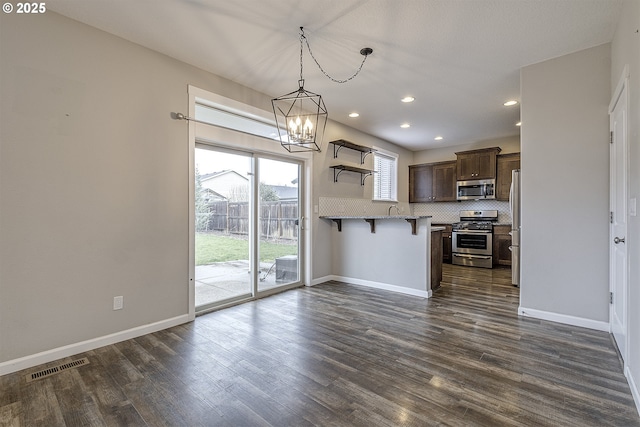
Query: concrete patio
[(224, 280)]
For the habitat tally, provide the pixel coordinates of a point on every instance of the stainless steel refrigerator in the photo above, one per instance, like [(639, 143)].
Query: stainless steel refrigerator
[(514, 205)]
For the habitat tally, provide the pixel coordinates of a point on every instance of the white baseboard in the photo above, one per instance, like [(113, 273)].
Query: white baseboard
[(563, 318), (384, 286), (633, 386), (322, 280), (72, 349)]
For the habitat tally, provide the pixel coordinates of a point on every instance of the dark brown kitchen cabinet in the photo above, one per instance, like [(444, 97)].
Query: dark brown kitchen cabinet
[(420, 183), (444, 181), (501, 243), (477, 164), (432, 182), (446, 242), (505, 164), (436, 259)]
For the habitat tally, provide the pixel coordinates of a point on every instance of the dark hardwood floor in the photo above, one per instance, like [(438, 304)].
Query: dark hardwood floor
[(342, 355)]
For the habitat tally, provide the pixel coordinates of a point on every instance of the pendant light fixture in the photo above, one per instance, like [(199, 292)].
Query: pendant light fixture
[(301, 116)]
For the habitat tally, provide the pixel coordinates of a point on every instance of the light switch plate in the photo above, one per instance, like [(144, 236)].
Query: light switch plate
[(632, 206)]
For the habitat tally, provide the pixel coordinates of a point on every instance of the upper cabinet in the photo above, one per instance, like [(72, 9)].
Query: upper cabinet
[(433, 182), (420, 183), (436, 182), (444, 181), (477, 164), (505, 164)]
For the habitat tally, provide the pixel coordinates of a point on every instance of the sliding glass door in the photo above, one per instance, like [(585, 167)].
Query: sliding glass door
[(222, 207), (279, 223), (247, 225)]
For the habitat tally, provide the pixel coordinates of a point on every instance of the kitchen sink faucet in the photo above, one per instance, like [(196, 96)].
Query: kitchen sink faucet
[(397, 210)]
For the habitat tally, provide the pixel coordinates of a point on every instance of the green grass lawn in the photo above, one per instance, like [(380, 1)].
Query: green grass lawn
[(215, 248)]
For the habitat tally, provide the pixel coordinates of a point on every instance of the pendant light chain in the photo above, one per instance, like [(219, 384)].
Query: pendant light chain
[(364, 52), (301, 37), (301, 116)]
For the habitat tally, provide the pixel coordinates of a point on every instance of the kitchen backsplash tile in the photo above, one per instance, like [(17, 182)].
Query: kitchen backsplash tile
[(337, 206), (448, 212), (442, 212)]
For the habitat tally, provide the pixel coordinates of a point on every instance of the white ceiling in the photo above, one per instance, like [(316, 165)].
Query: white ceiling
[(460, 59)]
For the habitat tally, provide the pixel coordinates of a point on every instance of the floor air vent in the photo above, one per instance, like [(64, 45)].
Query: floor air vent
[(57, 369)]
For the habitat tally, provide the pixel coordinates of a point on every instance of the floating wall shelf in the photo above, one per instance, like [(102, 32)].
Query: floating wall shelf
[(343, 143), (338, 169)]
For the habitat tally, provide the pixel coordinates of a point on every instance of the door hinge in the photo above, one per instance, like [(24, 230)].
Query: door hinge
[(611, 137), (611, 217), (610, 297)]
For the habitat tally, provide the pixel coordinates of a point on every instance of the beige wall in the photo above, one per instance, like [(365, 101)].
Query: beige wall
[(565, 185), (508, 145), (94, 180), (348, 186), (625, 50)]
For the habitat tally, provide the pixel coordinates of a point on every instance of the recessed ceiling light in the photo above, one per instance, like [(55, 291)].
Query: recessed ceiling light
[(354, 115), (405, 125), (438, 138), (408, 99), (510, 103), (519, 124)]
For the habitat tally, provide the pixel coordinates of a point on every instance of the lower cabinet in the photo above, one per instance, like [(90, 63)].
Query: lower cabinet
[(436, 259), (501, 243), (446, 242)]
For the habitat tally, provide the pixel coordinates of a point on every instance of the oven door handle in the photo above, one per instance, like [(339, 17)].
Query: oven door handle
[(472, 256), (472, 231)]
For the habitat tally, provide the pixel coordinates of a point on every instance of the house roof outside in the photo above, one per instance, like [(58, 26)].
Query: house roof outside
[(213, 175), (285, 192), (211, 195)]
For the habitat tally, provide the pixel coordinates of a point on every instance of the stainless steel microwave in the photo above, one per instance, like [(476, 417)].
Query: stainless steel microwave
[(476, 189)]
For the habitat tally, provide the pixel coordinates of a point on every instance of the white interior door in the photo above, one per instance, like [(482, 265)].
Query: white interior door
[(618, 227)]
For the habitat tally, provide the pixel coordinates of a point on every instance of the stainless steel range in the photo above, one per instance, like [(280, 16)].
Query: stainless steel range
[(472, 238)]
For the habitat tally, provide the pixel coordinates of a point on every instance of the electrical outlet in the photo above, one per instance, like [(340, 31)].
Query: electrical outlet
[(118, 302)]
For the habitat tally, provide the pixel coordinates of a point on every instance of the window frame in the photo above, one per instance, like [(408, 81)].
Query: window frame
[(377, 176)]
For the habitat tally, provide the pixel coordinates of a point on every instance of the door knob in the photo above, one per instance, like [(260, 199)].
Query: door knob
[(617, 240)]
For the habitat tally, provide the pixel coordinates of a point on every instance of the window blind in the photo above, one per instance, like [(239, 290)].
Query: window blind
[(385, 177)]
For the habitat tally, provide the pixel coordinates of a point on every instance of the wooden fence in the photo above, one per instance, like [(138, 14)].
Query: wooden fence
[(278, 220)]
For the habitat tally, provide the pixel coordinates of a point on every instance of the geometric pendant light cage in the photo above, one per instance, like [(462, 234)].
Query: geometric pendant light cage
[(304, 116), (301, 116)]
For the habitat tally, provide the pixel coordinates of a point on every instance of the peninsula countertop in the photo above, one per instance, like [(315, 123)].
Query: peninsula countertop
[(405, 217), (371, 219)]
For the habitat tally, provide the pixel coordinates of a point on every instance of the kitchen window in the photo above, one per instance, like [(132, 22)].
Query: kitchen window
[(385, 177)]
